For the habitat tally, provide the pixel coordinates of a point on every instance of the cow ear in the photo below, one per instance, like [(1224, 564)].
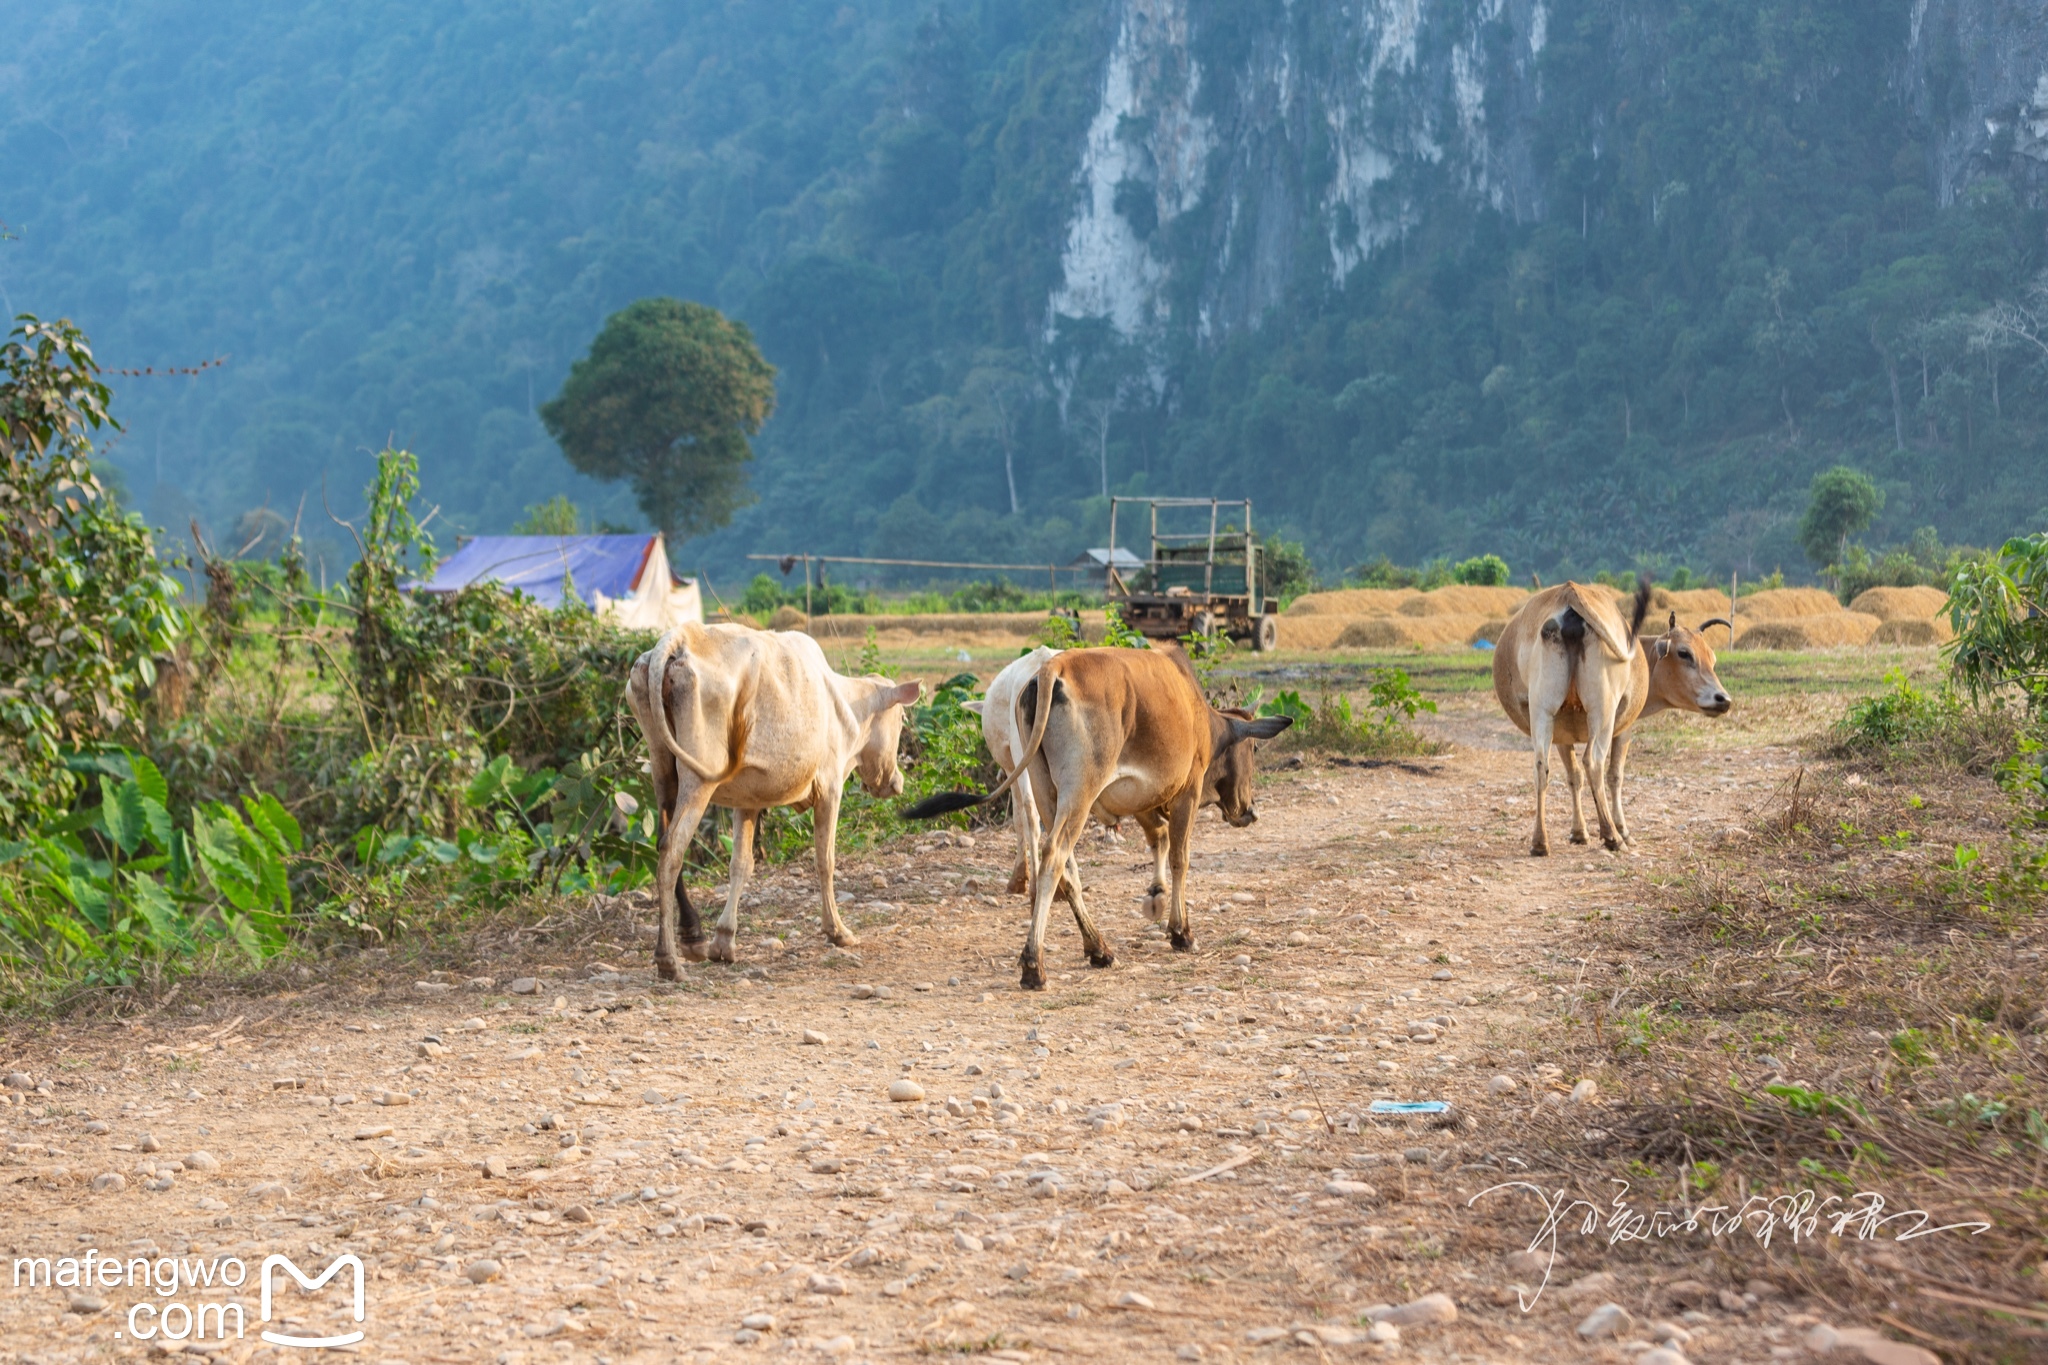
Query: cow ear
[(976, 706), (1265, 727), (904, 694)]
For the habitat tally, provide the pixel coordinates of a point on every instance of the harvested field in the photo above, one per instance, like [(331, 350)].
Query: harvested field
[(541, 1153)]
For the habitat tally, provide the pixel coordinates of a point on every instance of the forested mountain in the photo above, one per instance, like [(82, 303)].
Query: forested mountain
[(1587, 283)]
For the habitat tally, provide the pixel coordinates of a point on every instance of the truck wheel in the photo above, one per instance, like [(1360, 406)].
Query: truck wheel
[(1202, 624), (1266, 635)]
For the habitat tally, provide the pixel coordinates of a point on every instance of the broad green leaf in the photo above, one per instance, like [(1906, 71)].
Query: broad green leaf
[(122, 813), (160, 912), (91, 899), (149, 779), (217, 837), (491, 780), (158, 818), (269, 868), (276, 822)]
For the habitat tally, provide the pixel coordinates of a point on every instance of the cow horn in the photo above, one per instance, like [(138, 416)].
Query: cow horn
[(1706, 626)]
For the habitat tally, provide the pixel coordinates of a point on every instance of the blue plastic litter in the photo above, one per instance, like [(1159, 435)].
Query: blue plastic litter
[(1410, 1107), (1482, 644)]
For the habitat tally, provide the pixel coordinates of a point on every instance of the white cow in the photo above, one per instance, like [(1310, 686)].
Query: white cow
[(1003, 733), (749, 720)]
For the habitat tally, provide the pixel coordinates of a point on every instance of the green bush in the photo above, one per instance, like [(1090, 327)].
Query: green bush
[(1996, 604), (1486, 571), (86, 609), (114, 892), (1383, 727), (1285, 570)]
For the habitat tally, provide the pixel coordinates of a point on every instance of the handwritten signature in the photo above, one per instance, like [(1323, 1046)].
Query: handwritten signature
[(1803, 1216)]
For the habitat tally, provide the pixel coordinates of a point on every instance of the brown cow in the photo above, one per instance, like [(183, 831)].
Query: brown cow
[(1566, 674), (1118, 732)]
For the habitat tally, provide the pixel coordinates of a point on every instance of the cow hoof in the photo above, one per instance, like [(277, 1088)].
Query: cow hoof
[(665, 968), (845, 938), (721, 948), (1019, 882), (1539, 850), (1611, 845), (1155, 905), (1105, 958), (693, 950), (1579, 838), (1183, 943), (1033, 976)]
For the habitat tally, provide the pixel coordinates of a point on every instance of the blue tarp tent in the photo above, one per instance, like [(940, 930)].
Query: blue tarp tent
[(627, 576)]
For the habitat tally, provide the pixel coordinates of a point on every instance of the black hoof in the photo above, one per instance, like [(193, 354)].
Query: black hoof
[(665, 968), (1033, 976), (1539, 850), (1106, 958), (1578, 838), (1183, 943)]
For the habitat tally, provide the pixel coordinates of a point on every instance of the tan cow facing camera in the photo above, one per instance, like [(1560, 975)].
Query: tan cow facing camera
[(1567, 672)]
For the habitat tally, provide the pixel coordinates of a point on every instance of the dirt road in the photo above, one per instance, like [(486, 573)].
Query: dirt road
[(1171, 1158)]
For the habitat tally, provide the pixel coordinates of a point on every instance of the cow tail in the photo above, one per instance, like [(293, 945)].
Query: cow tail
[(945, 803), (736, 737), (1635, 625)]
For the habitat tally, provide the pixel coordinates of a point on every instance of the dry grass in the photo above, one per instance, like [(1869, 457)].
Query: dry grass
[(1841, 940)]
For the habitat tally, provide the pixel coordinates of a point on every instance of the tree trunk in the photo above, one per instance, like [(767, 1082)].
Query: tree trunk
[(1102, 450), (1891, 373)]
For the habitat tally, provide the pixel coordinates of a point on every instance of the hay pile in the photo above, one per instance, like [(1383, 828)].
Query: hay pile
[(1785, 604), (1416, 632), (1819, 630), (1462, 600), (1933, 630), (1901, 604), (1352, 602), (1312, 631)]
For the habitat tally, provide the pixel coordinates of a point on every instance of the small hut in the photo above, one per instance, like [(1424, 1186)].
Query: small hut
[(626, 579), (1094, 565)]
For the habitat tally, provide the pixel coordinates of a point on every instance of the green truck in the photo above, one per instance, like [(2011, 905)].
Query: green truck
[(1203, 576)]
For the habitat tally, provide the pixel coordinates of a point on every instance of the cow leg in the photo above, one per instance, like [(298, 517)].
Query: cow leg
[(1023, 824), (1540, 726), (1154, 826), (1617, 770), (1062, 832), (1101, 952), (676, 834), (1180, 826), (1600, 742), (1568, 757), (824, 831), (744, 825)]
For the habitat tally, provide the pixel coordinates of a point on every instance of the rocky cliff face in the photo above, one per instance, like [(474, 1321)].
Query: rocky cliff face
[(1976, 74), (1232, 160)]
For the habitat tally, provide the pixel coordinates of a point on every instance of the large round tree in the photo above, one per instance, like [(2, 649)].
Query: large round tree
[(668, 397)]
